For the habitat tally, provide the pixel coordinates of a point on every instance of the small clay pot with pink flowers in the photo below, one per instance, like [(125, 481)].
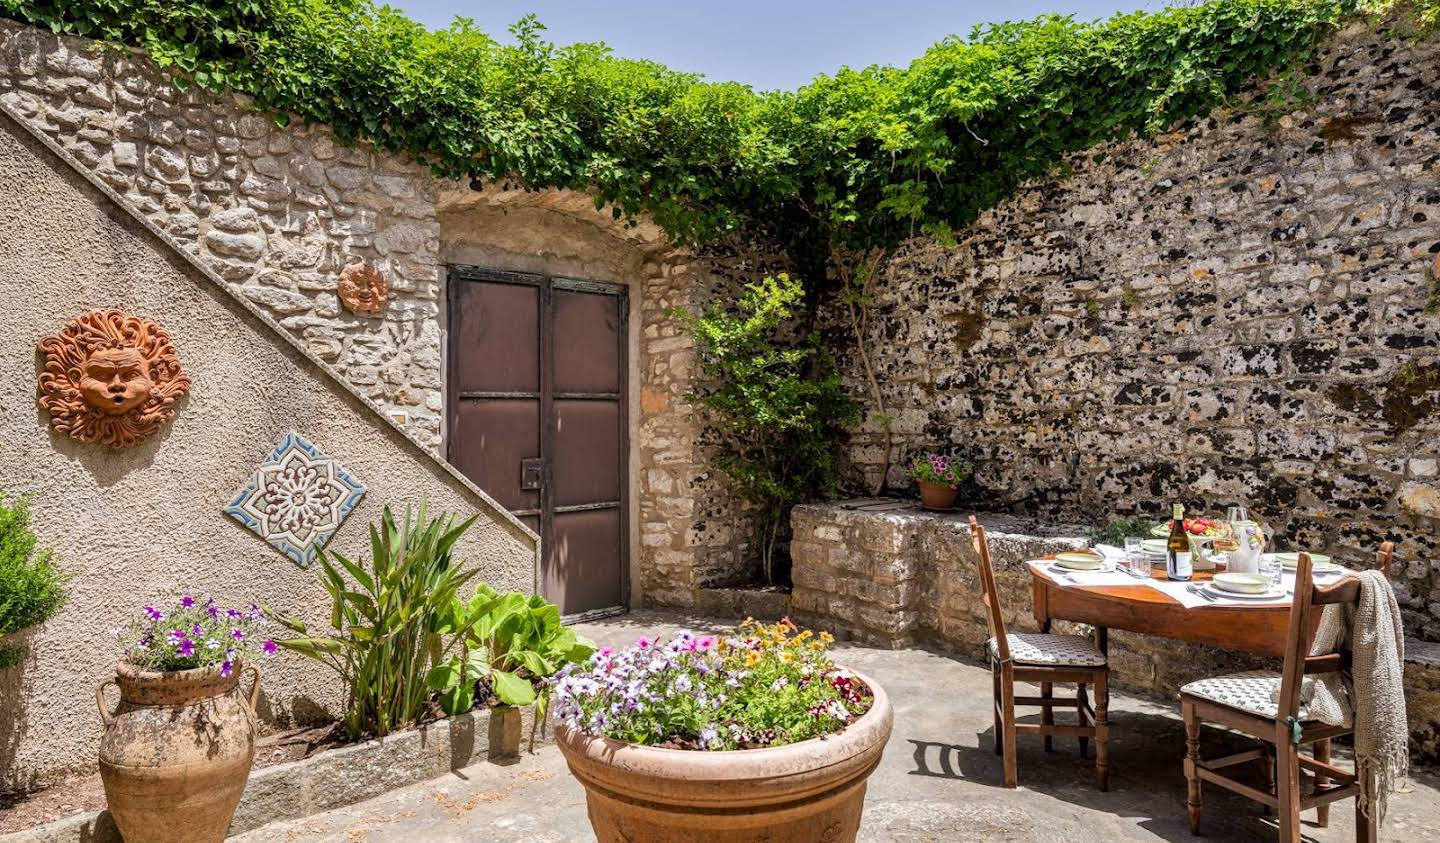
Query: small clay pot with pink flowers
[(177, 748), (939, 477)]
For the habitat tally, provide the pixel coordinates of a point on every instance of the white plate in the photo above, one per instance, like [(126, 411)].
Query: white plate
[(1079, 561), (1318, 562), (1154, 546), (1061, 571), (1272, 594), (1246, 583)]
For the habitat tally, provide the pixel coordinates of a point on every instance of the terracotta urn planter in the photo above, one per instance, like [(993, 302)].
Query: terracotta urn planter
[(937, 496), (803, 792), (176, 752)]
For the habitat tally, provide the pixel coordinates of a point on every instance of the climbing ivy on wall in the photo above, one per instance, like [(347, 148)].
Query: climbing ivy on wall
[(858, 159)]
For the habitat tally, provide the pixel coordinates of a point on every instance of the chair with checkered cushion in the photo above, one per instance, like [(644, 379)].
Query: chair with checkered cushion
[(1270, 707), (1048, 660), (1044, 648)]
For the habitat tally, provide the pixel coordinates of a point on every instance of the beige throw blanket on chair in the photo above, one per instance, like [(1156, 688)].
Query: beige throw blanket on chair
[(1373, 695)]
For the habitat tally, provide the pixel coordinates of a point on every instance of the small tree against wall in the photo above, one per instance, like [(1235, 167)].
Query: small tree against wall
[(32, 588), (776, 402)]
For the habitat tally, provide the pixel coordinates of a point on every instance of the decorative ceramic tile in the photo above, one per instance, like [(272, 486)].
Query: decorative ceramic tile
[(297, 499)]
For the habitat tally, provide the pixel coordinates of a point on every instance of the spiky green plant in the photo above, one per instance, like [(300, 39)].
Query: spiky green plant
[(388, 619)]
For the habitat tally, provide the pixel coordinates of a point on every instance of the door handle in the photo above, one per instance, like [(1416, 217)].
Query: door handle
[(532, 473)]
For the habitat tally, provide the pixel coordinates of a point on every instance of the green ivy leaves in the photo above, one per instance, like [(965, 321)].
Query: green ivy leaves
[(861, 158)]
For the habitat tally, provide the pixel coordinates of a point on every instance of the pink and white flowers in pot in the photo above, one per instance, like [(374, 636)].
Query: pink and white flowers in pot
[(725, 737), (939, 477)]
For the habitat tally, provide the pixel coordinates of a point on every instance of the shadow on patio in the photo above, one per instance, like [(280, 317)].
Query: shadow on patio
[(939, 779)]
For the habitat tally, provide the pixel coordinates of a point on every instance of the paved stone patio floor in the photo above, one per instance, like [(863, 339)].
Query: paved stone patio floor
[(939, 779)]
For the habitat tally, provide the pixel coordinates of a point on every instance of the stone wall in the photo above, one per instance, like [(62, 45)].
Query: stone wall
[(1235, 312), (278, 211), (145, 524), (887, 574)]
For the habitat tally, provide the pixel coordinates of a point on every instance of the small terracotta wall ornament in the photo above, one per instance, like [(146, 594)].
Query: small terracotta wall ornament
[(110, 378), (363, 289)]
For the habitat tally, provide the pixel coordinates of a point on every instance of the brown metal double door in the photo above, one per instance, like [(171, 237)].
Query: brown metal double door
[(537, 418)]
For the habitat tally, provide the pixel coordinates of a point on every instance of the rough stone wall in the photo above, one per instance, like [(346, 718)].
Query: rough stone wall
[(145, 524), (898, 577), (1236, 312), (695, 532), (276, 212)]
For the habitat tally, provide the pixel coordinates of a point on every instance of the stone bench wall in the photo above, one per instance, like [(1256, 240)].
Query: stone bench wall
[(893, 575)]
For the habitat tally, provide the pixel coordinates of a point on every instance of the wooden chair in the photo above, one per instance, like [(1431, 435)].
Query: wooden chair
[(1242, 702), (1045, 659)]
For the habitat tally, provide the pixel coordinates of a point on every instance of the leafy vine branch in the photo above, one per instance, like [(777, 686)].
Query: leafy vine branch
[(858, 159)]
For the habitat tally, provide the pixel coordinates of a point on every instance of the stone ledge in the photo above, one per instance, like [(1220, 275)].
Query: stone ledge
[(337, 777), (741, 603)]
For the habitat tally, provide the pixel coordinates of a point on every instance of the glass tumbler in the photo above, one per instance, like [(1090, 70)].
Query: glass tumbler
[(1135, 555)]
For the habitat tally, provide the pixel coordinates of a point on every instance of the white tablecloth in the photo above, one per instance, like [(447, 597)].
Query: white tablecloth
[(1083, 579), (1187, 594)]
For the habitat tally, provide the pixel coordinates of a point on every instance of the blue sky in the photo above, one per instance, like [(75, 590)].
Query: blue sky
[(765, 43)]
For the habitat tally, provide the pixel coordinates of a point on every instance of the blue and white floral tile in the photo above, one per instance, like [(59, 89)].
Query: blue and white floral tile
[(297, 499)]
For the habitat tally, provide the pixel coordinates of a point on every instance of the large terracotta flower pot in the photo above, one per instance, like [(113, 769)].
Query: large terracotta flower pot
[(937, 496), (176, 752), (804, 792)]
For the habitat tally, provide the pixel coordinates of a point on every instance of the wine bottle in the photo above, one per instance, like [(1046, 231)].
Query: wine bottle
[(1177, 549)]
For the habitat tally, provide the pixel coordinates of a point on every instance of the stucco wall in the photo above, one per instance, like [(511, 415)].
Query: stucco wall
[(275, 211), (1241, 311), (146, 524)]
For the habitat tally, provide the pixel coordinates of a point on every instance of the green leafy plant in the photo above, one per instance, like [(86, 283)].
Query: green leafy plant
[(32, 586), (1116, 530), (866, 157), (510, 643), (391, 619), (777, 402)]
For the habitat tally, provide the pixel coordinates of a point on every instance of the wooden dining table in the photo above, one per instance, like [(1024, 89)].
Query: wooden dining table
[(1139, 608)]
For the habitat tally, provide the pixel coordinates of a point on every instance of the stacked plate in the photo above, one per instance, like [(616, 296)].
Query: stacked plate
[(1080, 561), (1320, 564), (1249, 586), (1154, 550)]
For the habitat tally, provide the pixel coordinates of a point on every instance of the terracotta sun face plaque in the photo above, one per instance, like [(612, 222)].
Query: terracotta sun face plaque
[(296, 499), (110, 378), (363, 289)]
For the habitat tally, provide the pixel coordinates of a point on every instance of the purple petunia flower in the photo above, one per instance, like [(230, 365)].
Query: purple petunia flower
[(154, 614), (196, 630), (237, 634), (187, 601), (176, 635), (212, 610), (187, 647), (226, 668), (268, 647)]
